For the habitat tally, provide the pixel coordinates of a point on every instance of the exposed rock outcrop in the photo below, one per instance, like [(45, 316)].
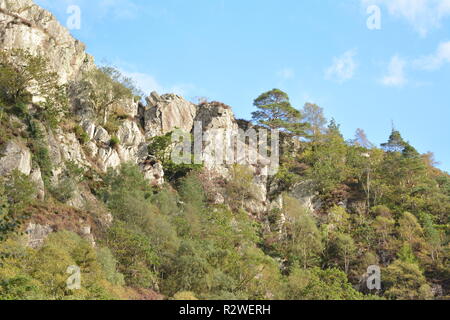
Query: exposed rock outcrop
[(25, 25), (166, 113), (36, 178), (15, 156), (305, 194), (36, 234)]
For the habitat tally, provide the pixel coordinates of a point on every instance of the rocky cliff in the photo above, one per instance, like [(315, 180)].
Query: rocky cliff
[(24, 25)]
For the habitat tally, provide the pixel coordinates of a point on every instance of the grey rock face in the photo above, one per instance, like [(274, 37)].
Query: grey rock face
[(304, 193), (36, 234), (166, 113), (15, 156), (129, 134), (153, 171), (24, 25), (36, 178)]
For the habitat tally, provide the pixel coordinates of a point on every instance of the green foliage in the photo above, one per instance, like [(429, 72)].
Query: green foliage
[(317, 284), (161, 148), (64, 189), (16, 194), (239, 188), (403, 280), (184, 296), (314, 116), (105, 87), (40, 151), (342, 250), (327, 160), (81, 135), (20, 71), (109, 266), (114, 142), (276, 112), (303, 243), (134, 253), (387, 207), (42, 273), (395, 142)]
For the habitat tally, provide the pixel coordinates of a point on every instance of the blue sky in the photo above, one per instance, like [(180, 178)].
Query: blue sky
[(318, 51)]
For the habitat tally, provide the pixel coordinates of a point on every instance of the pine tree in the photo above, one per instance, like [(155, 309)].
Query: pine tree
[(276, 112)]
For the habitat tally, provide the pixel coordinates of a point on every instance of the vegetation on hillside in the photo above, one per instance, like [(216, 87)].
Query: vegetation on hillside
[(386, 206)]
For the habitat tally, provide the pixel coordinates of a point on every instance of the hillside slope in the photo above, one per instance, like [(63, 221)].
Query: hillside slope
[(87, 180)]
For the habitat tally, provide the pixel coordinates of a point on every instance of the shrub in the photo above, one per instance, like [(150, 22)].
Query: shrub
[(42, 273), (64, 190), (112, 125), (109, 266), (16, 193), (184, 296), (114, 142), (239, 188), (81, 135), (317, 284), (161, 148), (135, 255)]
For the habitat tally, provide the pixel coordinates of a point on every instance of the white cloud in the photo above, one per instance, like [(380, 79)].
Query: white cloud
[(436, 60), (423, 15), (396, 77), (147, 83), (286, 74), (396, 73), (343, 67)]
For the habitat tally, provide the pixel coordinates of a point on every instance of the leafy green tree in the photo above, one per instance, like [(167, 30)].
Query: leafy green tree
[(410, 230), (129, 197), (189, 271), (106, 86), (433, 236), (240, 188), (303, 239), (328, 160), (276, 112), (317, 284), (405, 281), (22, 76), (19, 69), (161, 148), (5, 225), (136, 258), (16, 193), (395, 142), (314, 116), (343, 250), (109, 266), (384, 227)]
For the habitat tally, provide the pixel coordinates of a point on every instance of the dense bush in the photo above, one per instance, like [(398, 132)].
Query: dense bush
[(42, 273)]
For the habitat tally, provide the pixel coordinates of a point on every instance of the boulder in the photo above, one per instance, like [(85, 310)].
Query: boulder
[(166, 113)]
